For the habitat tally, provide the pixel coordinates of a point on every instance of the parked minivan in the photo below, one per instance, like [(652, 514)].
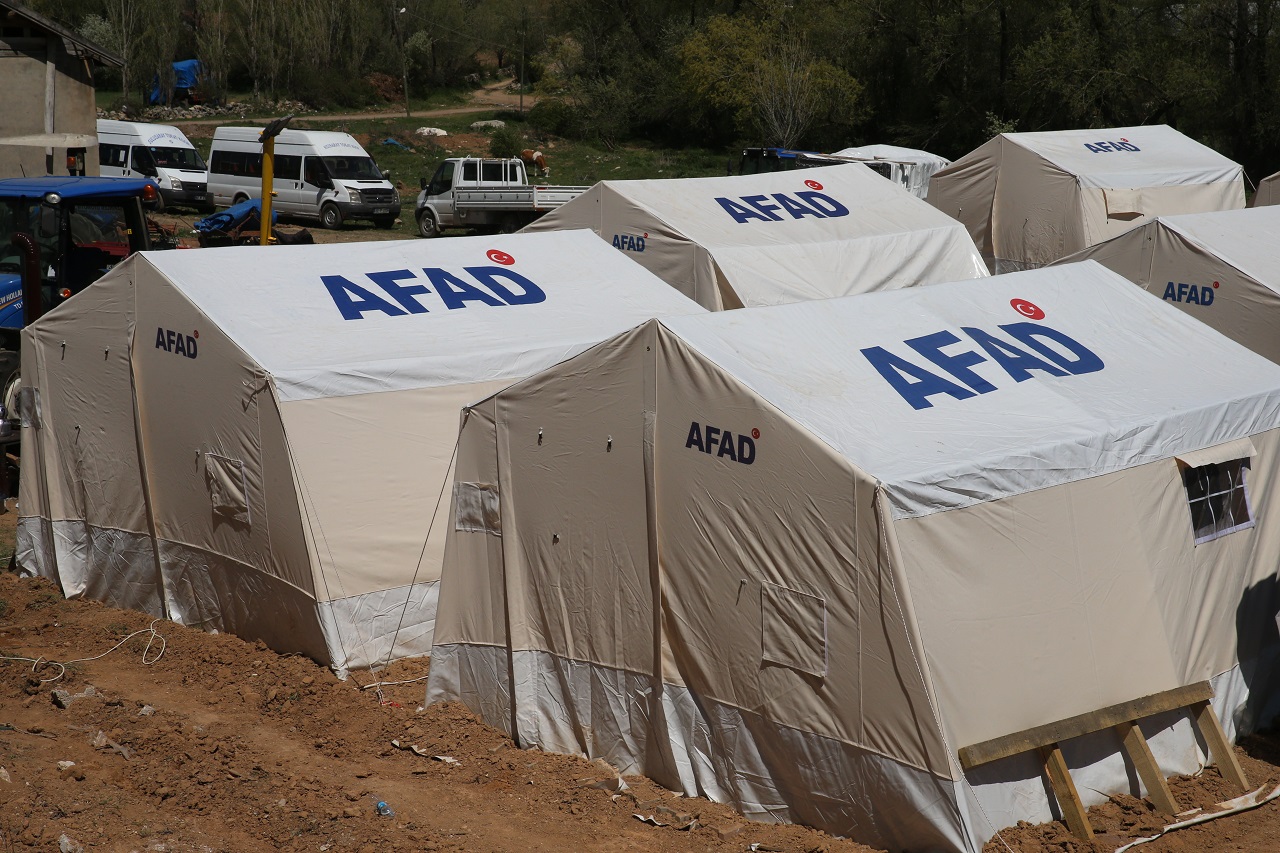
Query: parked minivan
[(324, 175), (130, 149)]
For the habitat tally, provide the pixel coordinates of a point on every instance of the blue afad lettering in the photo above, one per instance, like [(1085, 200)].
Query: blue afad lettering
[(721, 443), (493, 286), (771, 208), (175, 342), (628, 242), (1192, 294), (1029, 347), (1105, 147)]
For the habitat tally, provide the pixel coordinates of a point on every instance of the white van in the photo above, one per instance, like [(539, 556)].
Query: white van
[(320, 174), (130, 149)]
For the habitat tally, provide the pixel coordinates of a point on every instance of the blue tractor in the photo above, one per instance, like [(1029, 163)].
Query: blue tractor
[(58, 235)]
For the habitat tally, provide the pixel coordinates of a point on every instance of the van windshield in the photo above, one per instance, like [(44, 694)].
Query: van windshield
[(178, 158), (352, 168)]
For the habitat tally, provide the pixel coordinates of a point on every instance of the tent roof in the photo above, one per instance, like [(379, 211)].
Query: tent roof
[(877, 207), (275, 305), (896, 153), (1164, 157), (1244, 238), (1147, 403)]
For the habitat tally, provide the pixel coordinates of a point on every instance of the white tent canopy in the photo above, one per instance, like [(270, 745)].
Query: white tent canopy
[(1222, 268), (255, 440), (795, 558), (768, 239), (1031, 198), (911, 167)]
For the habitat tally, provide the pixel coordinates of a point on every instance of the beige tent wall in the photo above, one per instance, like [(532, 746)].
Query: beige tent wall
[(787, 646), (788, 685), (1063, 600), (226, 517), (370, 470), (1243, 308), (1102, 222), (1025, 602), (668, 254), (966, 191), (470, 649), (1037, 214), (1268, 191), (83, 510)]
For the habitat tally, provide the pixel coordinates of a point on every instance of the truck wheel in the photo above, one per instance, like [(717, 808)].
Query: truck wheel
[(240, 198), (427, 225), (157, 206), (511, 223), (10, 383), (330, 217)]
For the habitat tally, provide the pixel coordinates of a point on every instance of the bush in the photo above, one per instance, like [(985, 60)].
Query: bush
[(326, 88), (553, 116), (506, 142)]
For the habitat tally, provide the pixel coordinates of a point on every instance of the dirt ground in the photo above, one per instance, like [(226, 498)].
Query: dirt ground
[(187, 741)]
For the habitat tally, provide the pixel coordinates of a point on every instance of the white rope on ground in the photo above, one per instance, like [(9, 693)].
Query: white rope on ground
[(1240, 804), (36, 663)]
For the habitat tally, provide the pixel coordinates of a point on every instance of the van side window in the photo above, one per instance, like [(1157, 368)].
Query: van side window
[(313, 171), (288, 167), (113, 155), (469, 171), (140, 160)]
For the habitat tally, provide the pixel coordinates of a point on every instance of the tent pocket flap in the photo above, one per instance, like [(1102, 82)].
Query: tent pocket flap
[(1241, 448), (475, 508), (227, 486), (794, 628), (1123, 202)]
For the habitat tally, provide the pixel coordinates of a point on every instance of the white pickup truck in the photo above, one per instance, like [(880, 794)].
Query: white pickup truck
[(470, 192)]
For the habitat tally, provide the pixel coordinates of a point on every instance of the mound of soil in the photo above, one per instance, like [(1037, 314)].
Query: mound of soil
[(220, 744)]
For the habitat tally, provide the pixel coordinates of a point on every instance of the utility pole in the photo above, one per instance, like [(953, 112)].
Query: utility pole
[(404, 60), (524, 29), (268, 140)]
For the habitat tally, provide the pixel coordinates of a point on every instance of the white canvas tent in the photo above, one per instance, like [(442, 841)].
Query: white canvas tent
[(1268, 191), (767, 239), (1221, 268), (255, 440), (910, 167), (795, 558), (1032, 198)]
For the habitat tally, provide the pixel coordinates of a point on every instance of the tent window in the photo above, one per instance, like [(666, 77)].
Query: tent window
[(228, 487), (475, 508), (1218, 496), (794, 629)]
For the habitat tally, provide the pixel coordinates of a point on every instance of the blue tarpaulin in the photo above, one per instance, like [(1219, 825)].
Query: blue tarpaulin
[(186, 75), (233, 217)]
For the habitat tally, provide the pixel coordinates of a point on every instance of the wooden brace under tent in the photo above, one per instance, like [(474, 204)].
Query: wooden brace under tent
[(1124, 719)]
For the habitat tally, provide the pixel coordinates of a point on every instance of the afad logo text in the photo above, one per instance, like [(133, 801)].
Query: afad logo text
[(410, 292), (630, 242), (722, 443), (1191, 294), (1025, 351), (775, 207), (1108, 147)]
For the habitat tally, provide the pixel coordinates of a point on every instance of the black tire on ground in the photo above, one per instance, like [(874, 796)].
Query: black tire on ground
[(385, 222), (240, 198), (427, 225), (330, 217), (157, 206), (511, 223)]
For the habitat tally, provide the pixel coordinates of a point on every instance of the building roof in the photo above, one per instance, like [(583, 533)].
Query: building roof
[(76, 44)]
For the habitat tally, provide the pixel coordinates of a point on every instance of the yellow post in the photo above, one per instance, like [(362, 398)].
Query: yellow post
[(268, 172), (268, 140)]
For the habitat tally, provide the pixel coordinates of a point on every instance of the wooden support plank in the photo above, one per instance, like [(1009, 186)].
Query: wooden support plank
[(1220, 750), (1064, 788), (1083, 724), (1135, 746)]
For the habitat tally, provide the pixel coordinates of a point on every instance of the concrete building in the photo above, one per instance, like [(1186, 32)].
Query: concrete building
[(47, 104)]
